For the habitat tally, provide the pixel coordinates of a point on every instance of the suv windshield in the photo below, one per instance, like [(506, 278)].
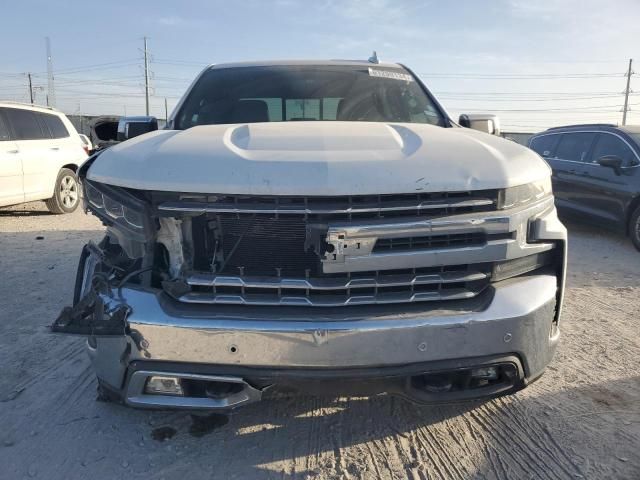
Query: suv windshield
[(307, 93)]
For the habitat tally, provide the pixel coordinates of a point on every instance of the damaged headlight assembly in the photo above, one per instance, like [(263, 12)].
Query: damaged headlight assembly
[(115, 206), (98, 307), (127, 216)]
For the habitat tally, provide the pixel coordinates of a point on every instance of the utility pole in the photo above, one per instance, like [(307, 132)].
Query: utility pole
[(146, 76), (166, 115), (50, 88), (626, 93), (30, 88)]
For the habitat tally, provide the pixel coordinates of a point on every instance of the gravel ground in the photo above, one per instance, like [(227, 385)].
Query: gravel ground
[(581, 420)]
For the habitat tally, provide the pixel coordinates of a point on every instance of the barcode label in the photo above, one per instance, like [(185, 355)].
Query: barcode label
[(373, 72)]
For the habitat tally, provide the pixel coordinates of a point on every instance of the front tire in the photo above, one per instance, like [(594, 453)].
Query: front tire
[(634, 227), (66, 195)]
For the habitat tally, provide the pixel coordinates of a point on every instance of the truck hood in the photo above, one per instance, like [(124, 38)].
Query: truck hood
[(317, 158)]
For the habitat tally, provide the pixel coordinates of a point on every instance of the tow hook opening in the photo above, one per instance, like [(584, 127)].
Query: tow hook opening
[(497, 377)]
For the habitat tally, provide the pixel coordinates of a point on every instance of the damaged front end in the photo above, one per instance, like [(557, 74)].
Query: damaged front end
[(124, 255), (134, 254), (204, 301)]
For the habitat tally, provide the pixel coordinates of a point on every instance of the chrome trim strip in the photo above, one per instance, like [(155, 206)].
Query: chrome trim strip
[(212, 280), (353, 242), (328, 301), (195, 207)]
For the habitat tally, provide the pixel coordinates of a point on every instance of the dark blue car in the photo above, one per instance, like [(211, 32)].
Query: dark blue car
[(596, 173)]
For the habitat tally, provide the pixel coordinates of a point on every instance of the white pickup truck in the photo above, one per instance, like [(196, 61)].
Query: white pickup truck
[(321, 226)]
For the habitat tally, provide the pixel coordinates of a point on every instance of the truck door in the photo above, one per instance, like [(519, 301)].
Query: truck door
[(568, 163), (604, 191)]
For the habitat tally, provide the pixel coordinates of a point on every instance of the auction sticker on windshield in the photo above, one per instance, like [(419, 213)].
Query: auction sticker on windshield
[(388, 74)]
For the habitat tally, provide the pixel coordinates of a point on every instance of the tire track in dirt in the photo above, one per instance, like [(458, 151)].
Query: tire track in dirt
[(56, 363), (516, 434), (495, 460)]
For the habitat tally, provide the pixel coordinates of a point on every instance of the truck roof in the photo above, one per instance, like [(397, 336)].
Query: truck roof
[(268, 63)]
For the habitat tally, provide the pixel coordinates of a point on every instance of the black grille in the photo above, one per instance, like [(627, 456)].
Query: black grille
[(265, 245), (430, 242)]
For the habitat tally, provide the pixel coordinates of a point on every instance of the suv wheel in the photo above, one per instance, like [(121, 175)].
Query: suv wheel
[(634, 227), (66, 195)]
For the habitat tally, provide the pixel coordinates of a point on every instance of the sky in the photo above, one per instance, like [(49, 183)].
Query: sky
[(536, 64)]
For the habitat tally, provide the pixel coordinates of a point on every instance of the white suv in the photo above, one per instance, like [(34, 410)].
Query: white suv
[(40, 152)]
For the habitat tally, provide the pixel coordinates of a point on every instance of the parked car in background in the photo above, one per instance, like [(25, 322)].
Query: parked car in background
[(40, 153), (596, 173), (317, 225), (86, 143)]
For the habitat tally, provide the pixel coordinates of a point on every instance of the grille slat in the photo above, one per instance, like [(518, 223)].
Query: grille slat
[(328, 300), (367, 288), (348, 207), (381, 280)]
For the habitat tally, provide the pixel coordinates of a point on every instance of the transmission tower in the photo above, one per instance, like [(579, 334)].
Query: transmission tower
[(626, 93), (50, 88)]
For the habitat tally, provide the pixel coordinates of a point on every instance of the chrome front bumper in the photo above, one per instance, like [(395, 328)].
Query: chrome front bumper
[(518, 321), (514, 320)]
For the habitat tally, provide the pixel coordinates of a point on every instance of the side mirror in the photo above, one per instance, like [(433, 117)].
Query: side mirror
[(129, 127), (487, 123), (611, 161)]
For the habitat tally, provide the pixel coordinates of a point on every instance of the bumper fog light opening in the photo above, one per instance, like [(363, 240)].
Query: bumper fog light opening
[(485, 373), (160, 385)]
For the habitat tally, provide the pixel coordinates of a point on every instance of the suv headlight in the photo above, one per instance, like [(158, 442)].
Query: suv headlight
[(524, 194), (116, 207)]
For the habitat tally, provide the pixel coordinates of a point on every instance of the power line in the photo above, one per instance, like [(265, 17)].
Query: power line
[(568, 109), (515, 99), (528, 92), (98, 66), (512, 76)]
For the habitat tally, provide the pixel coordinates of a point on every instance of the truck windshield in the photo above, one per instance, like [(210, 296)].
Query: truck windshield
[(307, 93)]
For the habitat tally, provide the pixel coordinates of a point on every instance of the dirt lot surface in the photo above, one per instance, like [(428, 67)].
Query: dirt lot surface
[(581, 420)]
